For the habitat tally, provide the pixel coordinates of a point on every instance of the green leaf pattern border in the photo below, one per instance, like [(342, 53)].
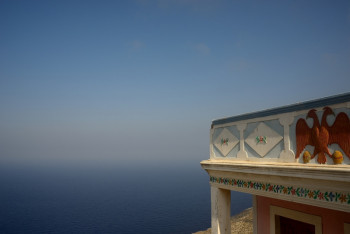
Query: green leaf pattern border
[(329, 196)]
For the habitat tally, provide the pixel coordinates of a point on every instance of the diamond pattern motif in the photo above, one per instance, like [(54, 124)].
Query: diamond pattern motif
[(263, 139), (225, 142)]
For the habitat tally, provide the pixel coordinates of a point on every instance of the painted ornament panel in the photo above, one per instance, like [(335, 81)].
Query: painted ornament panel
[(225, 142), (263, 139), (322, 135)]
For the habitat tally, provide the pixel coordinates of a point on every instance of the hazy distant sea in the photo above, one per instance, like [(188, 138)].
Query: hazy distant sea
[(107, 199)]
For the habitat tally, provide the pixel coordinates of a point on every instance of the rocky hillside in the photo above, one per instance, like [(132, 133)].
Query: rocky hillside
[(241, 223)]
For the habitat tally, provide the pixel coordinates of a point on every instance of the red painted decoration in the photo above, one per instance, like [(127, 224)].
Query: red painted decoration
[(320, 136)]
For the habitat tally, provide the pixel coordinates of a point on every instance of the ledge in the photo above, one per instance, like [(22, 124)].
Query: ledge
[(296, 170)]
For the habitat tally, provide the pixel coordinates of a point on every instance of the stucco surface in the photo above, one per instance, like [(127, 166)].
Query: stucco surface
[(332, 220)]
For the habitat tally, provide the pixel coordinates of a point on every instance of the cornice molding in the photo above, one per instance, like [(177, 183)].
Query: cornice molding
[(314, 171)]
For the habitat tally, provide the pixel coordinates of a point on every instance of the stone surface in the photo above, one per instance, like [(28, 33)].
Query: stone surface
[(220, 210), (241, 223)]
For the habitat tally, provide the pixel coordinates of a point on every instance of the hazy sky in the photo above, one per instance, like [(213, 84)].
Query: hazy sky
[(141, 80)]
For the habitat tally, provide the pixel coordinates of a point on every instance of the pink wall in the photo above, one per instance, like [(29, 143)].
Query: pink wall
[(332, 221)]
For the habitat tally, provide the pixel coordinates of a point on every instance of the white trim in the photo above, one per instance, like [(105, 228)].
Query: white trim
[(286, 155), (242, 154), (211, 146), (312, 171), (296, 215), (220, 210)]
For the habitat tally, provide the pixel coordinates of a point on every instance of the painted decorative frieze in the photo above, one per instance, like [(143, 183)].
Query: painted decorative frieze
[(225, 142), (263, 139), (286, 190), (320, 136)]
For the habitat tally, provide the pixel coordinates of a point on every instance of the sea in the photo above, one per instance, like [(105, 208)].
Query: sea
[(107, 198)]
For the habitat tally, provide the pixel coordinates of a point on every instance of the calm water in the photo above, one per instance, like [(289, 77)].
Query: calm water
[(106, 199)]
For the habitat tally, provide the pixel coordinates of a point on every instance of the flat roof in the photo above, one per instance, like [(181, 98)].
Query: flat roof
[(331, 100)]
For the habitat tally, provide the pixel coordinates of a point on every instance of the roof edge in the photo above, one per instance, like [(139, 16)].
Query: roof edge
[(330, 100)]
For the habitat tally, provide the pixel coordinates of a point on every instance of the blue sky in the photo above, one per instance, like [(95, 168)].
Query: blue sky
[(122, 81)]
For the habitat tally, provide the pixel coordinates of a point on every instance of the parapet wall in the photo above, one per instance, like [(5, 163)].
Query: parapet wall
[(313, 132)]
